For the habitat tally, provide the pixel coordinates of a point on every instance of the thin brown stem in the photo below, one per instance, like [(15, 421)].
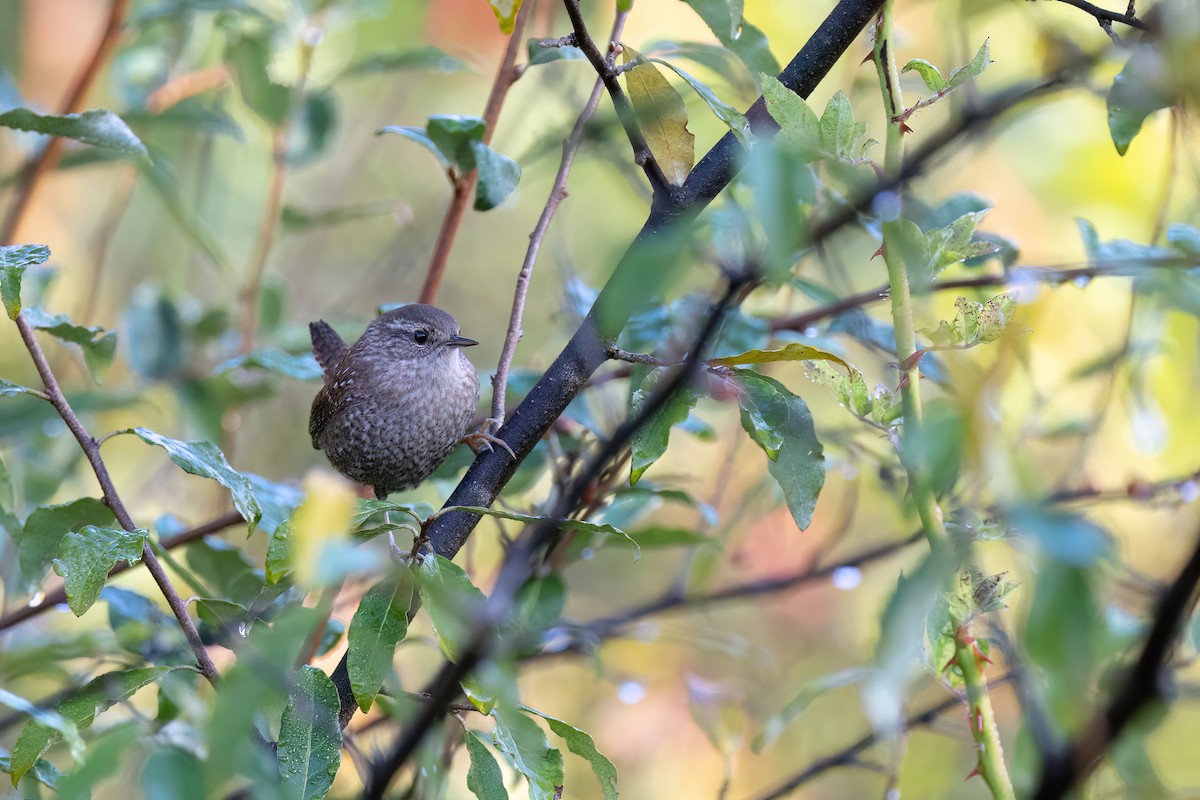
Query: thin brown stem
[(264, 240), (609, 75), (464, 185), (558, 193), (59, 595), (1106, 18), (47, 159), (91, 449)]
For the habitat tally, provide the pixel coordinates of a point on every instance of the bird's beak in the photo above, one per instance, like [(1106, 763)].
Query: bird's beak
[(461, 341)]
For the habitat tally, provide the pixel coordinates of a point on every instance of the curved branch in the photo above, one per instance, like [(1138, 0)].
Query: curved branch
[(91, 449), (1106, 18)]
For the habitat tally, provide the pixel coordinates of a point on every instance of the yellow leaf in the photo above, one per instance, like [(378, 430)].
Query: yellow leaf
[(662, 118), (323, 518), (792, 352), (506, 13)]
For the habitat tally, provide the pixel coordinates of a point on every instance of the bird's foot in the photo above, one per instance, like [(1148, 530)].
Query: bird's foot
[(482, 439)]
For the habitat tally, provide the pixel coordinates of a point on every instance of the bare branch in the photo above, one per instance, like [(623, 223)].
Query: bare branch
[(1107, 18), (558, 193), (464, 185)]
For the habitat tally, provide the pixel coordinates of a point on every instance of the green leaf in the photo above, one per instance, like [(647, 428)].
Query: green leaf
[(99, 128), (506, 13), (974, 323), (42, 771), (224, 620), (279, 554), (310, 738), (52, 720), (1137, 92), (80, 708), (453, 602), (649, 441), (724, 19), (798, 124), (85, 559), (972, 69), (1184, 238), (799, 465), (484, 778), (300, 366), (163, 182), (498, 175), (155, 334), (172, 773), (525, 744), (380, 622), (582, 745), (97, 345), (841, 136), (107, 754), (206, 460), (294, 218), (420, 137), (809, 692), (9, 389), (791, 352), (653, 538), (928, 72), (540, 602), (14, 260), (662, 118), (1064, 536), (249, 58), (142, 627), (426, 57), (569, 524), (454, 136), (191, 114), (1062, 638), (851, 390), (734, 119), (39, 540)]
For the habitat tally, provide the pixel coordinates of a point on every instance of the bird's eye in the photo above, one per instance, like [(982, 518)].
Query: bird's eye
[(421, 337)]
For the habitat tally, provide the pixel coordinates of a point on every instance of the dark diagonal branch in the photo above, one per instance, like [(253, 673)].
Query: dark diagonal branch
[(588, 347), (849, 756), (558, 192), (46, 160), (603, 64), (1106, 18), (464, 185), (1144, 684), (91, 449), (59, 595)]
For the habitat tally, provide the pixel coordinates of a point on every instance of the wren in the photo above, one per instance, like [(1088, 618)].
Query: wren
[(395, 404)]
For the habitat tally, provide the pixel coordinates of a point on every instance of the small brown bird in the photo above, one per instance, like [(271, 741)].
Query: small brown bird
[(396, 403)]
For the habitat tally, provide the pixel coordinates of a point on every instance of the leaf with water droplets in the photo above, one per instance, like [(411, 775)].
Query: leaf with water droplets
[(310, 738)]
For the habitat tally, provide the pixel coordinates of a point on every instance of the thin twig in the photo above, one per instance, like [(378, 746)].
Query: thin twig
[(1144, 684), (91, 449), (47, 159), (558, 193), (608, 74), (464, 184), (1106, 18), (849, 755)]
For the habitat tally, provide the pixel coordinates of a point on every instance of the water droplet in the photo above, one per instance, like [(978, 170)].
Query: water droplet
[(587, 553), (893, 794), (243, 629), (846, 578), (37, 598), (631, 692), (1189, 491), (811, 332), (886, 206)]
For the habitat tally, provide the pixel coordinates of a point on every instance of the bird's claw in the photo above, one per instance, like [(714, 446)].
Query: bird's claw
[(482, 440)]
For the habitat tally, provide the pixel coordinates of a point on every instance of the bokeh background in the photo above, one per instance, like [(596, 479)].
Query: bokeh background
[(676, 702)]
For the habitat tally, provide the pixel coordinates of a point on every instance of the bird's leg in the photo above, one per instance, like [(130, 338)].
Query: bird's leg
[(482, 439)]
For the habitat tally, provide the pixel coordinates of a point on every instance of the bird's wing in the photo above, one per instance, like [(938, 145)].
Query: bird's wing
[(328, 347)]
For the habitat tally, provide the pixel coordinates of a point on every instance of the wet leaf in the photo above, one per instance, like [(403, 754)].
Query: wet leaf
[(14, 260), (583, 745), (526, 746), (310, 738), (484, 778), (97, 345), (649, 441), (380, 622), (86, 557)]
